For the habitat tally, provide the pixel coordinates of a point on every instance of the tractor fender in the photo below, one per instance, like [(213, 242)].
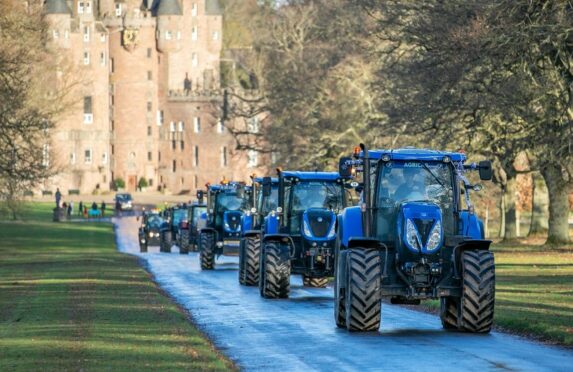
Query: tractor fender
[(470, 225), (209, 230), (249, 233), (351, 219), (365, 243), (246, 222), (282, 239), (474, 244)]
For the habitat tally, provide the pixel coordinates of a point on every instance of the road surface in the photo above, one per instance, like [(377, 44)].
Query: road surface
[(299, 334)]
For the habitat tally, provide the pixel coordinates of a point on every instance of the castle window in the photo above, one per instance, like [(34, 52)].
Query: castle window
[(252, 158), (148, 52), (73, 158), (215, 35), (194, 33), (159, 117), (149, 106), (149, 75), (117, 9), (173, 144), (102, 58), (56, 34), (86, 58), (197, 125), (224, 156), (104, 158), (149, 131), (194, 9), (181, 126), (46, 155), (112, 65), (220, 126), (182, 181), (66, 34), (80, 7), (172, 126), (88, 7), (174, 166), (102, 37), (88, 156), (194, 60), (178, 35), (167, 35), (149, 156), (196, 156), (86, 33), (182, 145), (158, 155), (253, 125), (88, 110)]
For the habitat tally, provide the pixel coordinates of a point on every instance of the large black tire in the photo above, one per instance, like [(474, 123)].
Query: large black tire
[(184, 242), (339, 293), (449, 312), (251, 260), (242, 262), (363, 306), (275, 273), (207, 248), (314, 282), (478, 291), (165, 242)]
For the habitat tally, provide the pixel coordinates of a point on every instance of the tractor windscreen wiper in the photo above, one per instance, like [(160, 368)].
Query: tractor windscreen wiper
[(433, 175)]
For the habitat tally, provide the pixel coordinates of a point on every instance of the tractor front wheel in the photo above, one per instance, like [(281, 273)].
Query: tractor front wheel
[(165, 242), (275, 276), (251, 260), (184, 242), (478, 291), (363, 308), (207, 248)]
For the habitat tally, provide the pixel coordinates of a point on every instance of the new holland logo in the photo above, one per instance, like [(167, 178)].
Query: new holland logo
[(319, 219)]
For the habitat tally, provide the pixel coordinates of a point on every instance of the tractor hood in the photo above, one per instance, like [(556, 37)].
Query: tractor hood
[(420, 227), (318, 224), (232, 221)]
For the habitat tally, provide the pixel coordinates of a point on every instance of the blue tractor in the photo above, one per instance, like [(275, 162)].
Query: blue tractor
[(264, 198), (226, 204), (299, 237), (414, 236)]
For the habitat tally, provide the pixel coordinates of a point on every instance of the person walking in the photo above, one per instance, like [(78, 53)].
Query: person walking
[(103, 206), (85, 212), (58, 197), (81, 209), (69, 210)]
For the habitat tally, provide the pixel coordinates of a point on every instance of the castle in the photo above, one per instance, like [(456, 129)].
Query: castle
[(148, 93)]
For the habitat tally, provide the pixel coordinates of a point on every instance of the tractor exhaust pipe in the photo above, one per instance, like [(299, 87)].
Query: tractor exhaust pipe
[(366, 202)]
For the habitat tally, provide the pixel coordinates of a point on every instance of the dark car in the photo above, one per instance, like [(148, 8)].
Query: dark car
[(150, 230), (123, 202)]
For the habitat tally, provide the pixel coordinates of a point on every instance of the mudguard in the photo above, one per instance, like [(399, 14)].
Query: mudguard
[(350, 222), (283, 240), (246, 222), (210, 230), (271, 224), (252, 232), (470, 225)]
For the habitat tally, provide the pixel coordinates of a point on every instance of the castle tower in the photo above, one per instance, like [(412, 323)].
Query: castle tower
[(168, 35)]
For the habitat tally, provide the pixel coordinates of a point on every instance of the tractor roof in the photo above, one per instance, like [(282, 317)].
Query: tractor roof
[(231, 186), (411, 153), (312, 176)]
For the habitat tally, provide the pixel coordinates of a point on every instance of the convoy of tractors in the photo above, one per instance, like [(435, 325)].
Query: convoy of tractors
[(390, 227)]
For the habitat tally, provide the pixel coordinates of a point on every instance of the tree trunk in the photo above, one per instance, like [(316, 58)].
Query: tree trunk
[(540, 206), (558, 204), (510, 230)]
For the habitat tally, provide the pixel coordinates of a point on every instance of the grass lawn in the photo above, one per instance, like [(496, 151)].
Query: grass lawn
[(534, 291), (70, 301)]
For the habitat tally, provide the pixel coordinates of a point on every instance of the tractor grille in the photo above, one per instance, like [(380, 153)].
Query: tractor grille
[(424, 227), (234, 220), (319, 222)]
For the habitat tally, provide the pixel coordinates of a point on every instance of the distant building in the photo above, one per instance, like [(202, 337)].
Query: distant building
[(148, 97)]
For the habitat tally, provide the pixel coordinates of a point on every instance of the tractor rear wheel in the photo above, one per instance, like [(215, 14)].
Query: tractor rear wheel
[(184, 242), (275, 276), (207, 248), (251, 260), (363, 305), (308, 281), (165, 242), (449, 310), (478, 291), (339, 293)]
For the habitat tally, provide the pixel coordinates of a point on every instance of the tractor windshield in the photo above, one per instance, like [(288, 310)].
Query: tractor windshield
[(178, 215), (408, 181), (230, 202), (154, 220), (196, 213), (266, 204), (313, 194)]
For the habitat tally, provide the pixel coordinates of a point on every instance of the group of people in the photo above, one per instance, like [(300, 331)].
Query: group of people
[(82, 208)]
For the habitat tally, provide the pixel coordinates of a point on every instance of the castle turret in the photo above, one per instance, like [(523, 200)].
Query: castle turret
[(169, 15), (58, 15)]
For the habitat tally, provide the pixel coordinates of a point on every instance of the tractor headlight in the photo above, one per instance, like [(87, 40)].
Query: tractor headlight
[(332, 231), (412, 235), (435, 237), (227, 226), (306, 229)]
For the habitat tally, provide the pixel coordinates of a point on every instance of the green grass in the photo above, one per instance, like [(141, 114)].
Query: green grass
[(534, 292), (70, 301)]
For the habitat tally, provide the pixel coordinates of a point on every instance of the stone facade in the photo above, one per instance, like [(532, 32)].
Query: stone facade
[(149, 98)]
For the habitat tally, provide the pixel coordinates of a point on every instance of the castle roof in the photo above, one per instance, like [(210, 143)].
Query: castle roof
[(57, 7), (169, 7), (213, 7)]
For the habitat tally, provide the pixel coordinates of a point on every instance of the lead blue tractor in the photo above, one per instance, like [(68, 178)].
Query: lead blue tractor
[(226, 204), (414, 236), (264, 198), (299, 237)]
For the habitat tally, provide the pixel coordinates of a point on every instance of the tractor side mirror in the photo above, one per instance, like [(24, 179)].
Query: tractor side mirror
[(267, 186), (200, 194), (485, 171), (345, 167)]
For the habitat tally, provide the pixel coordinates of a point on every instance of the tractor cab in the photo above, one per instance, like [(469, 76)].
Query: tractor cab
[(302, 229), (226, 204), (196, 216), (414, 231)]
